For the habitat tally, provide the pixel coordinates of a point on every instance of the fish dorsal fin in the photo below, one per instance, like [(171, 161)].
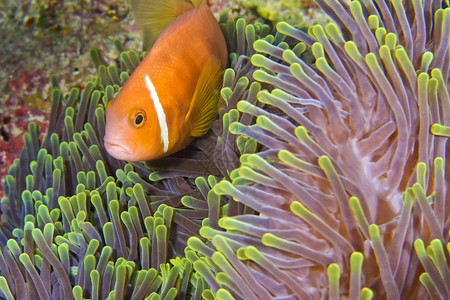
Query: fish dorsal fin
[(153, 16), (198, 2), (204, 106)]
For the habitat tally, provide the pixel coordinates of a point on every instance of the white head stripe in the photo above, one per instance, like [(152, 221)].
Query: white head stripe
[(159, 112)]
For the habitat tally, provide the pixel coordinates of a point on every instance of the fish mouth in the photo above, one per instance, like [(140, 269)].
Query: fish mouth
[(117, 150)]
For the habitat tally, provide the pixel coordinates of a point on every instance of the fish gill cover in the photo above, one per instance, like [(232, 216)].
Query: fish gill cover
[(326, 175)]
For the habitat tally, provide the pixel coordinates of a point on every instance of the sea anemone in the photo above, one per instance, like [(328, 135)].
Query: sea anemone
[(349, 183), (325, 176)]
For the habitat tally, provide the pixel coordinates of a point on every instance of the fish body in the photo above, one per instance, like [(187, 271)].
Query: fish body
[(172, 95)]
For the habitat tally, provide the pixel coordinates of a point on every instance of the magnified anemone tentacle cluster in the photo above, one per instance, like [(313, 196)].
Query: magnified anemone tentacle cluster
[(350, 179)]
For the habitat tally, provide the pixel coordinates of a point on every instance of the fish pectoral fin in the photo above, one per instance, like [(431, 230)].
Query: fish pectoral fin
[(153, 16), (204, 106)]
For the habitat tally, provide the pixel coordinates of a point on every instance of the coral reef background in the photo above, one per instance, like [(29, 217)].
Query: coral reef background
[(326, 175)]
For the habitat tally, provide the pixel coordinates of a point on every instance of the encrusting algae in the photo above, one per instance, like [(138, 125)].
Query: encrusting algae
[(323, 179)]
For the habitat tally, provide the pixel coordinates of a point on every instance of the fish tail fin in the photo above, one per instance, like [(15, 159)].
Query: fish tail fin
[(204, 106), (153, 16)]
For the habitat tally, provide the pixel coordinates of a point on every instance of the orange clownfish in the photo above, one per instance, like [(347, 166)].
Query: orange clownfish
[(172, 96)]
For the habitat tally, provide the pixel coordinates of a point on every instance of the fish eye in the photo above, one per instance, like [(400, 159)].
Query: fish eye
[(138, 118)]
